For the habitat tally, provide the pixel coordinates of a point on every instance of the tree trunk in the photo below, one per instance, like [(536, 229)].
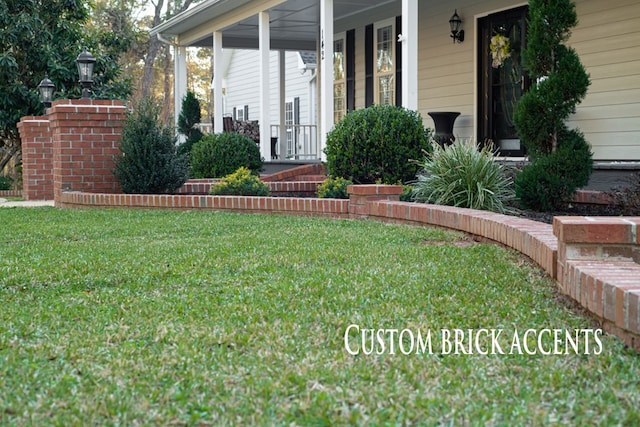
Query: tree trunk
[(152, 52)]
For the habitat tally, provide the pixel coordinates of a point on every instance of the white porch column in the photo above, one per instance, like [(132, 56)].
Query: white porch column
[(282, 134), (265, 125), (218, 71), (180, 79), (326, 72), (410, 54)]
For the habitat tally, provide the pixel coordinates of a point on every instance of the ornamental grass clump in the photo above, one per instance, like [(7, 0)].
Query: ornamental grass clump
[(240, 183), (464, 175)]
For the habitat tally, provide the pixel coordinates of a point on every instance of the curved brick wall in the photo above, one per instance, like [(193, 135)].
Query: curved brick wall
[(593, 260)]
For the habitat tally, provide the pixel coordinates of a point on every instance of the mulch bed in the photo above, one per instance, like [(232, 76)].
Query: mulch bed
[(579, 210)]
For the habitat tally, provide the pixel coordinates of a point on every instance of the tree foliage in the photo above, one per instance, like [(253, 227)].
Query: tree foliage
[(187, 120), (541, 113), (40, 37), (149, 163)]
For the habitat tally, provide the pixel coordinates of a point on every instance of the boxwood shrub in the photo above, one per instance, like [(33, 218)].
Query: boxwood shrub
[(218, 155), (377, 145)]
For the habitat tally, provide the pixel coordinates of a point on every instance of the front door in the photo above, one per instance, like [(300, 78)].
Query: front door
[(501, 78)]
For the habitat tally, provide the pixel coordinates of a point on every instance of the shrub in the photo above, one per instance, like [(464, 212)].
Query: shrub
[(407, 193), (465, 176), (240, 183), (5, 182), (334, 188), (561, 83), (149, 162), (217, 155), (549, 182), (377, 144), (189, 117)]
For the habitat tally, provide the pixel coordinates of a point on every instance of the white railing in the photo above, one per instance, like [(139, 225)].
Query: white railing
[(205, 128), (301, 142)]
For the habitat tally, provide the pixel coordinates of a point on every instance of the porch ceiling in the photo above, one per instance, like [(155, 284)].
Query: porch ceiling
[(294, 24)]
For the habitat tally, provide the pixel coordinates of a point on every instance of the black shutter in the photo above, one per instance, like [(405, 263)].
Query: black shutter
[(398, 61), (351, 70), (368, 60), (235, 113), (246, 112)]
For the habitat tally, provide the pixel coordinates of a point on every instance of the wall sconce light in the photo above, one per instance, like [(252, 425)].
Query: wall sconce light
[(456, 33), (85, 62), (46, 88)]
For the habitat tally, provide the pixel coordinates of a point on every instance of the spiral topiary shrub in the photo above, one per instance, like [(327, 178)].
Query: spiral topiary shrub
[(377, 144), (218, 155), (463, 175), (551, 180), (240, 183), (561, 158)]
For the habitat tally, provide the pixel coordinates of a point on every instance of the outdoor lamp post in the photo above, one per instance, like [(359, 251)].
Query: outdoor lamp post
[(46, 88), (456, 33), (85, 62)]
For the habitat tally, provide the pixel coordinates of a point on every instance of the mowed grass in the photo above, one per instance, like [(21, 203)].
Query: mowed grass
[(197, 318)]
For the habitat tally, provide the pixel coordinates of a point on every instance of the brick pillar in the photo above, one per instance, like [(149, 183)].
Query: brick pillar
[(86, 135), (360, 195), (37, 158)]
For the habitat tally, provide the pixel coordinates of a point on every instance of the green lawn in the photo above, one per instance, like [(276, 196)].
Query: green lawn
[(198, 318)]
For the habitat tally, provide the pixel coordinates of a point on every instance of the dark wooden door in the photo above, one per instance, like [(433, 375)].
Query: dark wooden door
[(501, 78)]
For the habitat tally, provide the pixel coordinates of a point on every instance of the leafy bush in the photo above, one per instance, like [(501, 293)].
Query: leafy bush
[(149, 162), (465, 176), (217, 155), (334, 188), (549, 182), (240, 183), (377, 144), (189, 117), (540, 115), (5, 182), (407, 193)]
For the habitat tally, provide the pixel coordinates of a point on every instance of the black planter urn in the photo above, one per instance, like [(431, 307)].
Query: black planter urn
[(444, 121)]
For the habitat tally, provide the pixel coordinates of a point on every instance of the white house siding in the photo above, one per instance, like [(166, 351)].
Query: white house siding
[(607, 39), (242, 84)]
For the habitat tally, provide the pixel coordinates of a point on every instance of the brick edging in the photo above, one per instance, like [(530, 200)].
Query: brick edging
[(597, 285), (332, 208)]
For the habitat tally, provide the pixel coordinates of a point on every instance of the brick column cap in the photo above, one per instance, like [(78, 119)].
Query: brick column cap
[(374, 189)]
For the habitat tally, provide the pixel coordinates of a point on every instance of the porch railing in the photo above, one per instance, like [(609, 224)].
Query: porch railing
[(301, 142)]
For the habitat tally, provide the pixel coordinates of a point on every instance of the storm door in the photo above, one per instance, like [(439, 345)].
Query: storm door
[(501, 79)]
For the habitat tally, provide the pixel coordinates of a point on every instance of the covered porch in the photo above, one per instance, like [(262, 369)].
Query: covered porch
[(286, 25)]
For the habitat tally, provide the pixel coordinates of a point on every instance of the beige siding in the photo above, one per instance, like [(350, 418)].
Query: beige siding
[(447, 71), (607, 39)]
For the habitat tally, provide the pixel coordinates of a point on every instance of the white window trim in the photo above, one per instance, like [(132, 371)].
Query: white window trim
[(341, 37), (391, 22)]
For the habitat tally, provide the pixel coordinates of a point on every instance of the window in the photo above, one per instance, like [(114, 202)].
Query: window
[(384, 77), (339, 79), (241, 113)]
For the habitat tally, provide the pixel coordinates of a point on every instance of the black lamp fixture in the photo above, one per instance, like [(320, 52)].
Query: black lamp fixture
[(456, 33), (46, 88), (85, 62)]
